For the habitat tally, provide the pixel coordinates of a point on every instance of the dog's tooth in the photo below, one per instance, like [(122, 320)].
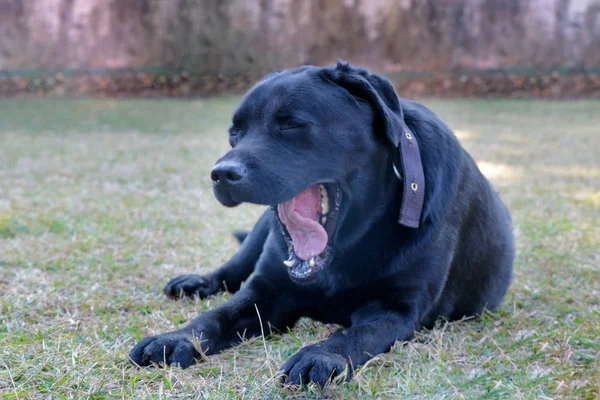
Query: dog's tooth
[(312, 262), (323, 192), (324, 207), (323, 220), (289, 263)]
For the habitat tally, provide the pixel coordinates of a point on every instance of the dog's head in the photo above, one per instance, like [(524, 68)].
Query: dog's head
[(316, 144)]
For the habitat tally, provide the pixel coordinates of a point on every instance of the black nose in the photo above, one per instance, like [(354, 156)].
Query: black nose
[(227, 172)]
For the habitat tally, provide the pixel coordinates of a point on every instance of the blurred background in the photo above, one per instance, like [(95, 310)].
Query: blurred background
[(104, 198), (547, 48)]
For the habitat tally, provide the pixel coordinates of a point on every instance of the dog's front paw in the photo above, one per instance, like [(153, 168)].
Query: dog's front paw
[(193, 285), (174, 348), (313, 364)]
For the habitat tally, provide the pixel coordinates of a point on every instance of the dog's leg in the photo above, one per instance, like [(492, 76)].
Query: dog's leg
[(240, 317), (231, 274), (374, 330)]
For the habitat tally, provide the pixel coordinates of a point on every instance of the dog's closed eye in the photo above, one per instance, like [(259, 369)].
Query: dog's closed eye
[(287, 123)]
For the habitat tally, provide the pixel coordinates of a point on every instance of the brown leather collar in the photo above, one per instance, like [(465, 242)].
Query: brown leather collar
[(413, 182)]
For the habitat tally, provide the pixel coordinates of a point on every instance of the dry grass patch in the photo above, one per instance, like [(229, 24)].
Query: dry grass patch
[(102, 201)]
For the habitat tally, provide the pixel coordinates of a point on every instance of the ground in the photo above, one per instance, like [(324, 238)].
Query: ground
[(102, 201)]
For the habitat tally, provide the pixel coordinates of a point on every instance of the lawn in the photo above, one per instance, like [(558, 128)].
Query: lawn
[(102, 201)]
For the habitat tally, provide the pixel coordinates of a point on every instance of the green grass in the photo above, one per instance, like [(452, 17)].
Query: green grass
[(102, 201)]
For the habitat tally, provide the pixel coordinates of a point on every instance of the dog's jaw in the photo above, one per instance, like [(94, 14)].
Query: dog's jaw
[(304, 269)]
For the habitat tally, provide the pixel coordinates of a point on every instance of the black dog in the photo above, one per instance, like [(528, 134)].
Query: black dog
[(379, 221)]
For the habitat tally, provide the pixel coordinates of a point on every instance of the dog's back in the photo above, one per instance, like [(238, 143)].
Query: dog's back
[(477, 221)]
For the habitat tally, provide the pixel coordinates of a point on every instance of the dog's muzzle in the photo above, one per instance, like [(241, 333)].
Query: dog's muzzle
[(226, 175)]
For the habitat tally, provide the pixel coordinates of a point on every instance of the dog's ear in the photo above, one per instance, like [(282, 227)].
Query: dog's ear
[(380, 94), (375, 90)]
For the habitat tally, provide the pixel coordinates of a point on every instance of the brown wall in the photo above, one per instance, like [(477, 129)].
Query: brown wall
[(227, 36)]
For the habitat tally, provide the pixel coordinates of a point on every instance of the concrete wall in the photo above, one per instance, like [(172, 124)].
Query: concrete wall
[(239, 35)]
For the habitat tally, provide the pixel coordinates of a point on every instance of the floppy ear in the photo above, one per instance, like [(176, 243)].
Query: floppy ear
[(380, 94)]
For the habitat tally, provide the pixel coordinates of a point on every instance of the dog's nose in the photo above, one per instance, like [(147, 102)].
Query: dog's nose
[(227, 172)]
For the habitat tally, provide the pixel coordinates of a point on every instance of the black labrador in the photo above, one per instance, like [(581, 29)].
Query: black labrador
[(379, 221)]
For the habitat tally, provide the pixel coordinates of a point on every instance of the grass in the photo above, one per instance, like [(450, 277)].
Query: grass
[(102, 201)]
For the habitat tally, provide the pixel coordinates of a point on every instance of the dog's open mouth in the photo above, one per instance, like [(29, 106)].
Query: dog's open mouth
[(308, 223)]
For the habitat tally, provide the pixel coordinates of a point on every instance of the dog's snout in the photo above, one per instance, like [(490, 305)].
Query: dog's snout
[(228, 172)]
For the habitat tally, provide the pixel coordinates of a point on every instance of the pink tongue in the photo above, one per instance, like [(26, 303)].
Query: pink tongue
[(299, 216)]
